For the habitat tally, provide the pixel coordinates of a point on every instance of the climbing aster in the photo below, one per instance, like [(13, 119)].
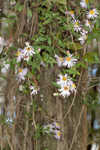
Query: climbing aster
[(22, 73), (28, 50), (77, 26), (19, 55), (34, 90), (64, 91), (87, 23), (69, 61), (59, 60), (72, 86), (92, 14), (48, 128), (84, 3), (63, 79), (57, 134), (56, 125)]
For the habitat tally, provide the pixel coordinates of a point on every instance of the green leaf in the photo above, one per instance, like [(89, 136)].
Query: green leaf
[(73, 71), (49, 41), (94, 35)]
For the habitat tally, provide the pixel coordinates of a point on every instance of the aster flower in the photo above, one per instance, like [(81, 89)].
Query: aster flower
[(48, 128), (54, 129), (22, 73), (56, 125), (57, 134), (87, 23), (84, 3), (92, 14), (72, 86), (63, 79), (19, 55), (59, 60), (64, 91), (28, 50), (77, 26), (34, 90), (69, 61)]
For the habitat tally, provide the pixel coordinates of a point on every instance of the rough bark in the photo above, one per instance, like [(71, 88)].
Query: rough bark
[(70, 113)]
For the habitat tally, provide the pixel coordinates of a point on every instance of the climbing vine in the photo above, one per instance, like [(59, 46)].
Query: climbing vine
[(47, 34)]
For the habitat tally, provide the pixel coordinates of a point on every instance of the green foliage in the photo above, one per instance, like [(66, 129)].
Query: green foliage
[(91, 100), (74, 46), (94, 35), (73, 71), (19, 7), (38, 131), (2, 119), (92, 57), (47, 28), (46, 149)]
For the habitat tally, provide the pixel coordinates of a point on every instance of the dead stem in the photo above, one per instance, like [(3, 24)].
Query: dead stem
[(76, 130)]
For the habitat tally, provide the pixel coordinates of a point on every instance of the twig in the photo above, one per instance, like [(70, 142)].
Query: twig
[(74, 136), (73, 98)]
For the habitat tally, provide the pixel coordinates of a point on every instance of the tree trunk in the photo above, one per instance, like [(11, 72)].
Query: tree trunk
[(70, 113)]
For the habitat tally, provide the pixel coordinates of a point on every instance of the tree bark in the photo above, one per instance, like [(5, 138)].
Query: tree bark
[(70, 113)]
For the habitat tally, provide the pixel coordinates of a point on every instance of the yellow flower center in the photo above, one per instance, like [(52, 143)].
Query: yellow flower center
[(68, 58), (28, 48), (59, 133), (57, 125), (18, 53), (77, 23), (66, 88), (86, 1), (64, 78), (73, 85), (91, 12), (71, 12), (20, 70)]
